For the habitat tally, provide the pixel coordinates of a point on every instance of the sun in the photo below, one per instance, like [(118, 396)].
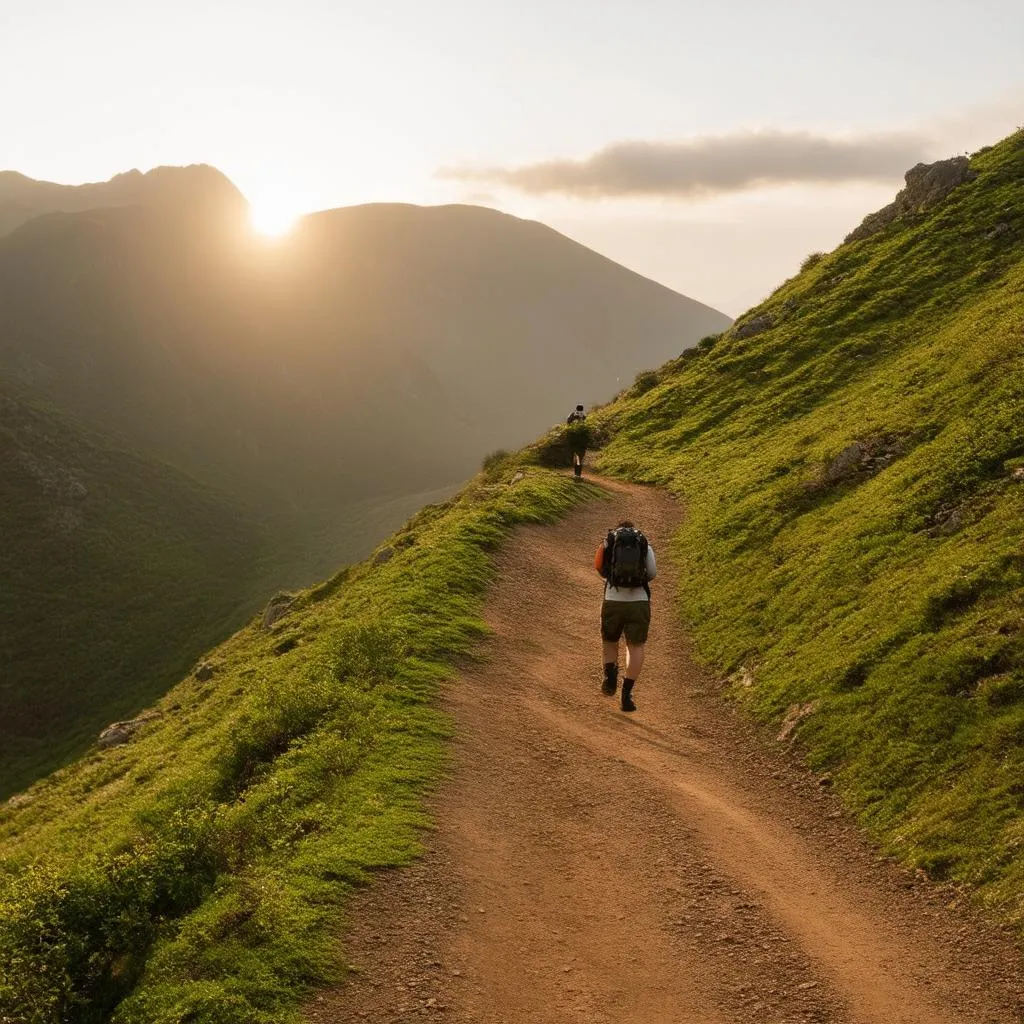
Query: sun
[(272, 220)]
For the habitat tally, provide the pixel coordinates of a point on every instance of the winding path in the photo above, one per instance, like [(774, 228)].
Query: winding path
[(668, 866)]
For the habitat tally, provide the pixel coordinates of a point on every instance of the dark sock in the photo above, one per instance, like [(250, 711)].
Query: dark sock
[(627, 695), (611, 670)]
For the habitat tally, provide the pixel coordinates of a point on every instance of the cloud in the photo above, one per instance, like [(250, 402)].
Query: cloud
[(695, 168)]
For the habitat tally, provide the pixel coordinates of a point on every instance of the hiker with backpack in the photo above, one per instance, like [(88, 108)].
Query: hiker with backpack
[(578, 434), (626, 561)]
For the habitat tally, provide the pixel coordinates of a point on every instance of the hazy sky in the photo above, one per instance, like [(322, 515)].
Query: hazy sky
[(709, 145)]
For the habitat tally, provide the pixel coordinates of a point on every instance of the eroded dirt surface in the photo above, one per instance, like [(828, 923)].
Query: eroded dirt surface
[(665, 866)]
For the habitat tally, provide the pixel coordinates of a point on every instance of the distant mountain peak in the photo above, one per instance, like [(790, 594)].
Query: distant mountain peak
[(195, 185)]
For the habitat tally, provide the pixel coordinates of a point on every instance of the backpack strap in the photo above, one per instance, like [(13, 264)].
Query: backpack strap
[(606, 554), (643, 554)]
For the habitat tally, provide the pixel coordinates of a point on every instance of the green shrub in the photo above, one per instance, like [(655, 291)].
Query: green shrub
[(645, 381), (495, 463)]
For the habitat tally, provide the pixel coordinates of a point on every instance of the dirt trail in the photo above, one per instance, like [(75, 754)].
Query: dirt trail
[(667, 866)]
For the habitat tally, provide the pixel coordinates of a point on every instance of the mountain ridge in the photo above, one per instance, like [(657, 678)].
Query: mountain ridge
[(23, 198), (373, 355)]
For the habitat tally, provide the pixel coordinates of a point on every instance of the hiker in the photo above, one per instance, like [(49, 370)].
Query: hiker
[(626, 562), (578, 435)]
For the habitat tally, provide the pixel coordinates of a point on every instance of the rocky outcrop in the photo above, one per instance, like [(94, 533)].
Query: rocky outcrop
[(847, 462), (860, 459), (754, 326), (277, 608), (204, 670), (118, 733), (926, 186)]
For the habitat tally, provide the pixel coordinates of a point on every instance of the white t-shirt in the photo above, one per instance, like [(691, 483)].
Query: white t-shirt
[(632, 593)]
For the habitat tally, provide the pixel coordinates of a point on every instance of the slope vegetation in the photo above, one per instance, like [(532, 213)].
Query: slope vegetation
[(850, 457)]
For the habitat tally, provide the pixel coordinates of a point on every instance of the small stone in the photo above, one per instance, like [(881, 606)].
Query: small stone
[(118, 733)]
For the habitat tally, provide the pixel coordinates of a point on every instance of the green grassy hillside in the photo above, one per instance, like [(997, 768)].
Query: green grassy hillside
[(852, 555), (196, 873)]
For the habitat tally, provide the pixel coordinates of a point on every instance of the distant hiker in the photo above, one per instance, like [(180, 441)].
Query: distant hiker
[(579, 437), (625, 560)]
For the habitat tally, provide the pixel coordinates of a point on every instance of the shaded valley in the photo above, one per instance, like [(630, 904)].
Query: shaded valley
[(297, 400)]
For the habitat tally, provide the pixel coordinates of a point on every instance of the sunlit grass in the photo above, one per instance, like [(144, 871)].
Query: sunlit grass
[(889, 599)]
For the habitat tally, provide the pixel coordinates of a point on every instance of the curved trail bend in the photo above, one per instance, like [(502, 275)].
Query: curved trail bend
[(590, 866)]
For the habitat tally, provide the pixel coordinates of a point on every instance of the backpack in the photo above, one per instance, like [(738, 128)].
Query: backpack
[(626, 558)]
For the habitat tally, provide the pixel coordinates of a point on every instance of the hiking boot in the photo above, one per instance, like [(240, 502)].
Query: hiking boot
[(627, 695), (577, 471), (611, 680)]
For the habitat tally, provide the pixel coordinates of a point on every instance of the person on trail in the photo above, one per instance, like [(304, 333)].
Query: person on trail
[(579, 436), (626, 562)]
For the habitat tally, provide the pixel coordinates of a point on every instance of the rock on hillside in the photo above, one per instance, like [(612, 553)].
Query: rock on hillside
[(927, 185)]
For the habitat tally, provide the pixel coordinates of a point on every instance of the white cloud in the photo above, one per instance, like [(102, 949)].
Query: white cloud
[(713, 165)]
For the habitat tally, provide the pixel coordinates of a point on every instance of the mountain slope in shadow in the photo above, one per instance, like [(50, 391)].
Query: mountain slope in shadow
[(265, 411)]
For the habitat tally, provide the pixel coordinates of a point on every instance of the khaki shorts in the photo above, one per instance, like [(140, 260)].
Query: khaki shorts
[(630, 617)]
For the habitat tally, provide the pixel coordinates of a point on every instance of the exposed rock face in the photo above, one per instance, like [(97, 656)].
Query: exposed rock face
[(927, 185), (757, 325), (860, 459), (383, 556), (277, 608), (845, 463), (118, 733), (204, 670)]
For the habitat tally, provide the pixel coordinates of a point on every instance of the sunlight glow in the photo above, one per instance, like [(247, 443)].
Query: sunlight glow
[(271, 220)]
